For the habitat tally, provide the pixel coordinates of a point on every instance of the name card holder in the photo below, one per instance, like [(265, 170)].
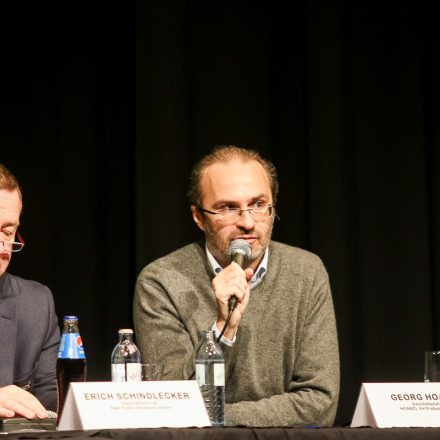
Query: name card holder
[(388, 405), (113, 405)]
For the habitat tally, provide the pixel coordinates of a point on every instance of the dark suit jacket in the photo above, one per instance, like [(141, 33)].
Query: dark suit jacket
[(29, 338)]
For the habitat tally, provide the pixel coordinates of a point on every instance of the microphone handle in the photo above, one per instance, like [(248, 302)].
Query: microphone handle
[(240, 259)]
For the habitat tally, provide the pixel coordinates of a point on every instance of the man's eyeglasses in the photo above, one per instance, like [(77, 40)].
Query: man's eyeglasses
[(232, 215), (12, 246)]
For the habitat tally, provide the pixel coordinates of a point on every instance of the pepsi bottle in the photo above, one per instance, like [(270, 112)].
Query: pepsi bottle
[(71, 362)]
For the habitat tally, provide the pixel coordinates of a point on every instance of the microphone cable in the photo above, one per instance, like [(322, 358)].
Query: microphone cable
[(226, 324)]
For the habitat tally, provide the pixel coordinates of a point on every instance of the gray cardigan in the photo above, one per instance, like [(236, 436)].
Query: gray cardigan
[(29, 338), (283, 369)]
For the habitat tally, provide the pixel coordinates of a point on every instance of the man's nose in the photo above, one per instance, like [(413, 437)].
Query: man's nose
[(3, 249), (246, 220)]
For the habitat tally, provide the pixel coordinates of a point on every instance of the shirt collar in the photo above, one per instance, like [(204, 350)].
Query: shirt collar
[(258, 274)]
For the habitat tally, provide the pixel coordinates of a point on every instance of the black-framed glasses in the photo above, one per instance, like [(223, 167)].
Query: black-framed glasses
[(12, 246), (232, 215)]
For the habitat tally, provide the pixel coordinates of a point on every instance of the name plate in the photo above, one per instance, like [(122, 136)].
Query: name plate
[(387, 405), (101, 405)]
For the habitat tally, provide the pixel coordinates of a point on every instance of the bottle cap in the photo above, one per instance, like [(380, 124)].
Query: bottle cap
[(125, 330), (70, 318)]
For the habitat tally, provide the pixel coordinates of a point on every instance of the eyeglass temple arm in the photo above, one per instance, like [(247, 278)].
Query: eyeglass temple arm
[(20, 238)]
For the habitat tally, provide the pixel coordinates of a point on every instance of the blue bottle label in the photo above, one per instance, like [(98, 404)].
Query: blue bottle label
[(71, 347)]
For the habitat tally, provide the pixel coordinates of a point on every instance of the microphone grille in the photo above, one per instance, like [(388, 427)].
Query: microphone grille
[(240, 246)]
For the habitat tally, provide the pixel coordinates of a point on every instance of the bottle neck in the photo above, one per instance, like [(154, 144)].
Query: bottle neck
[(70, 327), (208, 335), (125, 337)]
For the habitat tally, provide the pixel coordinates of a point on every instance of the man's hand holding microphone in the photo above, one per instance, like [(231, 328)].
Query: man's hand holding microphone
[(231, 288)]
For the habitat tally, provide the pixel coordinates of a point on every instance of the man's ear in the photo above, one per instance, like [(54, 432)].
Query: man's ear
[(198, 217)]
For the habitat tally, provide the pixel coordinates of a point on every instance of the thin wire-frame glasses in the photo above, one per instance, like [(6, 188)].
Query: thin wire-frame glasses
[(232, 215), (12, 246)]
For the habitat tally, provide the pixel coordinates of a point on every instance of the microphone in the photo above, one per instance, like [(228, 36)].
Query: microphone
[(239, 251)]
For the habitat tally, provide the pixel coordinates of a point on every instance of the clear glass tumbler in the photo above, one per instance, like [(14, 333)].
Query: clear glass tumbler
[(432, 366), (152, 371)]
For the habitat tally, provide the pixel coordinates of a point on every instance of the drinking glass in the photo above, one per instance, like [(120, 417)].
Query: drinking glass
[(152, 371), (432, 366)]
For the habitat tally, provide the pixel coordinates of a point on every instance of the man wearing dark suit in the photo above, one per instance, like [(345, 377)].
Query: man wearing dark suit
[(29, 333)]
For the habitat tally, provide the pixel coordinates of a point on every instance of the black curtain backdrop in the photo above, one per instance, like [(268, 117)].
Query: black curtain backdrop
[(106, 106)]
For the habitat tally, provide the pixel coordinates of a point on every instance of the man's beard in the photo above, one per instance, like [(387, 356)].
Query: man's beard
[(219, 249)]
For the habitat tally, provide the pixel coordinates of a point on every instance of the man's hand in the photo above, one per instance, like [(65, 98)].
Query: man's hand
[(231, 281), (17, 402)]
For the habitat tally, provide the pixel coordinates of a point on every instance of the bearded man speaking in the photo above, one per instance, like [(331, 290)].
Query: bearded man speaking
[(280, 342)]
